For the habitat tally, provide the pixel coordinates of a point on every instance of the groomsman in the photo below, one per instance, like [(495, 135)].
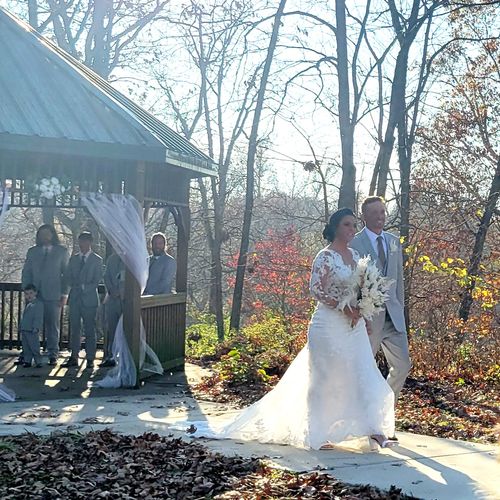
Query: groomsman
[(162, 268), (388, 328), (83, 276), (45, 267), (114, 279)]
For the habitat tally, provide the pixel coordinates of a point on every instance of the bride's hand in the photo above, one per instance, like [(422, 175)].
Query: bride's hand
[(353, 314)]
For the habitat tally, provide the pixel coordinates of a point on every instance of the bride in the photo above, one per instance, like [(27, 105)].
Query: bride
[(332, 393)]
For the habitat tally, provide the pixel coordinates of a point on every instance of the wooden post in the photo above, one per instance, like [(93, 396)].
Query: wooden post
[(183, 222), (132, 299)]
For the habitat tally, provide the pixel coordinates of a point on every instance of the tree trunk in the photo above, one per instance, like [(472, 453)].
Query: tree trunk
[(97, 44), (252, 150), (396, 110), (405, 155), (477, 252), (347, 195), (48, 215), (216, 302), (33, 13)]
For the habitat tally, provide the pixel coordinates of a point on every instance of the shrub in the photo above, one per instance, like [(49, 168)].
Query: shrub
[(201, 338), (262, 350)]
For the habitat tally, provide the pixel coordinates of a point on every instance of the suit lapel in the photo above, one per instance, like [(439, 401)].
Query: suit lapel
[(368, 246), (390, 257)]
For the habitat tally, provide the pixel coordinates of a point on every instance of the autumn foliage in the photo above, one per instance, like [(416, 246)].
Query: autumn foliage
[(277, 278)]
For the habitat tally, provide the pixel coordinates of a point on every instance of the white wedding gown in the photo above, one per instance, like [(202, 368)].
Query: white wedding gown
[(332, 393)]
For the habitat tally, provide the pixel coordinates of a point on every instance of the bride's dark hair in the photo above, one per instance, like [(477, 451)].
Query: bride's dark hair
[(334, 221)]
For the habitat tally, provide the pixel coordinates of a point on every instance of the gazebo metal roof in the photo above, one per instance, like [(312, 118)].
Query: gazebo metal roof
[(51, 103)]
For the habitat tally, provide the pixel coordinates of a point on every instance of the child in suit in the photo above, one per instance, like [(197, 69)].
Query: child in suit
[(30, 327)]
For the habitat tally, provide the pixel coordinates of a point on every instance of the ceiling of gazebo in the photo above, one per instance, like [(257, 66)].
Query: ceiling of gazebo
[(52, 104)]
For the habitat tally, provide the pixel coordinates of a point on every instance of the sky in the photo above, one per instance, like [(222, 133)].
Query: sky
[(288, 148)]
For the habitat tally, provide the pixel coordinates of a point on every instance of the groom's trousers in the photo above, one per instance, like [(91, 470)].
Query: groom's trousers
[(395, 347)]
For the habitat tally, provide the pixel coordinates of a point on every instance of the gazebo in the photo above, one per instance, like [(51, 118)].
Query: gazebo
[(60, 119)]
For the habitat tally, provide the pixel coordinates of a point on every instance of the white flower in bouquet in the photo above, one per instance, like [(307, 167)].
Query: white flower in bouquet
[(373, 288), (49, 188)]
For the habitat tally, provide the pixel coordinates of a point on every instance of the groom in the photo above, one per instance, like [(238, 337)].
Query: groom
[(388, 328)]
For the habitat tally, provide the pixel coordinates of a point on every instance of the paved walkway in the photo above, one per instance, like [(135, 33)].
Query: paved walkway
[(426, 467)]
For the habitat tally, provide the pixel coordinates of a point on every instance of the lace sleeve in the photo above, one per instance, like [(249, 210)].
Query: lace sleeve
[(331, 279), (322, 278), (355, 255)]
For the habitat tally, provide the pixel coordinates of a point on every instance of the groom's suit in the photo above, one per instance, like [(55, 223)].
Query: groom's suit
[(388, 327)]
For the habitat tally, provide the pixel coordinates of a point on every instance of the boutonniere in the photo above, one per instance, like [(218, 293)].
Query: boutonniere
[(393, 246)]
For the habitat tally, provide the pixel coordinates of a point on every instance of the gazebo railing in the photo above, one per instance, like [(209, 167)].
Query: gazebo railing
[(11, 303), (163, 317)]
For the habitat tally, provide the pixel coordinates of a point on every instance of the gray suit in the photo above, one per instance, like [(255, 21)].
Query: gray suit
[(46, 271), (388, 327), (83, 300), (30, 327), (161, 277), (114, 279)]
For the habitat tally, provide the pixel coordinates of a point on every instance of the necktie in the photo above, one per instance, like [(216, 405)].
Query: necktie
[(82, 262), (381, 252)]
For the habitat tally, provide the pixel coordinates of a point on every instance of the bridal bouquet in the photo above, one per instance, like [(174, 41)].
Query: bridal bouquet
[(367, 289)]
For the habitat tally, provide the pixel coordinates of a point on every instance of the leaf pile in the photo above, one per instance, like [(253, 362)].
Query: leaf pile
[(444, 409), (106, 465)]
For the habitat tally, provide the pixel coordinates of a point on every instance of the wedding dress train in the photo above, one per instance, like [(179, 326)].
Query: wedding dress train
[(332, 393)]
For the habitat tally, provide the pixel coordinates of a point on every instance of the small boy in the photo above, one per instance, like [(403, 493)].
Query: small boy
[(31, 324)]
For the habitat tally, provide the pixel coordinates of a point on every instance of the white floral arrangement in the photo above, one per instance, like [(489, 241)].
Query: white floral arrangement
[(368, 289), (50, 188)]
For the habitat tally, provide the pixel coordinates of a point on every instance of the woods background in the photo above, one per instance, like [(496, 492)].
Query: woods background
[(306, 106)]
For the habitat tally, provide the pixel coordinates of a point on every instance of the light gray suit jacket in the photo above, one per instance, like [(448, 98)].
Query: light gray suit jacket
[(114, 276), (395, 303), (83, 281), (32, 319), (46, 272), (161, 277)]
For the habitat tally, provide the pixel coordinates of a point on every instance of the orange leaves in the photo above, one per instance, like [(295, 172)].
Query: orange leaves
[(277, 280)]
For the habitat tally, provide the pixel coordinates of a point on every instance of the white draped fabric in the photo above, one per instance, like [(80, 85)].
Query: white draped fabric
[(121, 219), (6, 394)]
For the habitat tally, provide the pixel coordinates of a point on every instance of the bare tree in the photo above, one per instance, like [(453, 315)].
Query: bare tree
[(213, 39), (99, 33), (252, 150), (466, 132)]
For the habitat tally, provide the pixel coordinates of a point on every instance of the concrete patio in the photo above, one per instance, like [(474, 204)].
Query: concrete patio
[(427, 467)]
